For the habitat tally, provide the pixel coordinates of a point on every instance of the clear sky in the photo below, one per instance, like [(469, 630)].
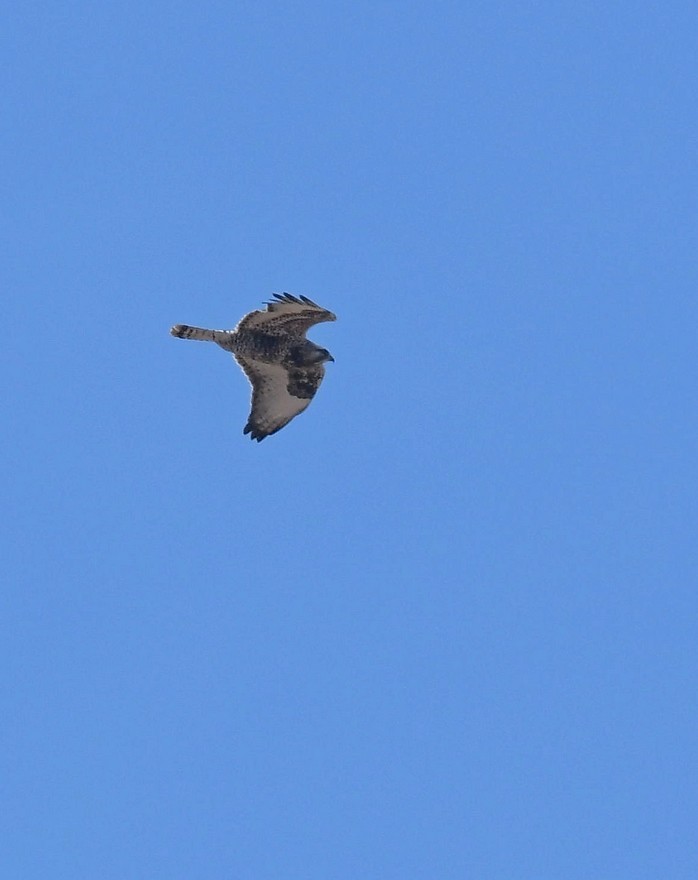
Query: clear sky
[(445, 624)]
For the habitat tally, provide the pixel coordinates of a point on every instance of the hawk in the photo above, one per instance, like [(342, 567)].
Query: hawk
[(284, 368)]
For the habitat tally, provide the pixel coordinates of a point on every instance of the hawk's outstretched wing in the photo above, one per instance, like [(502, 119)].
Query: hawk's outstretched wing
[(278, 394), (287, 314)]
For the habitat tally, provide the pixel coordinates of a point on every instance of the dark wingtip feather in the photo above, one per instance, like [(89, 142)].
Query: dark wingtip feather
[(282, 298), (298, 300), (255, 433)]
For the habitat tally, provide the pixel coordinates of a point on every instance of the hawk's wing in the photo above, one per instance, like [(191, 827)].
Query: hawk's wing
[(278, 395), (287, 314)]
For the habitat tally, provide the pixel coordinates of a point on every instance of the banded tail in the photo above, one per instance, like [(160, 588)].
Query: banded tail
[(184, 331)]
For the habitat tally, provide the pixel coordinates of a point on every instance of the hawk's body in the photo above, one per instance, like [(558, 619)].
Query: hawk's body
[(284, 368)]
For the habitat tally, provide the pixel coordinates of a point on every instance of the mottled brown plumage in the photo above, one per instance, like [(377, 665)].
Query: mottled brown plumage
[(284, 368)]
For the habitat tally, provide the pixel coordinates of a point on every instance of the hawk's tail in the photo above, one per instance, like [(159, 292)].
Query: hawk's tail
[(183, 331)]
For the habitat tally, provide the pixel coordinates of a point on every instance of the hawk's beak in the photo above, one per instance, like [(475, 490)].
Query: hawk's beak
[(330, 358)]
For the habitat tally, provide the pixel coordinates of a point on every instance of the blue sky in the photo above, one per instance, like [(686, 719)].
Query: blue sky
[(445, 624)]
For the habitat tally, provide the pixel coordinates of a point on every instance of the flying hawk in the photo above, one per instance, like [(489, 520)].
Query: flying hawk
[(284, 368)]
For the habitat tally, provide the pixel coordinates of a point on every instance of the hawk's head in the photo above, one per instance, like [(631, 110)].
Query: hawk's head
[(326, 356), (308, 354)]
